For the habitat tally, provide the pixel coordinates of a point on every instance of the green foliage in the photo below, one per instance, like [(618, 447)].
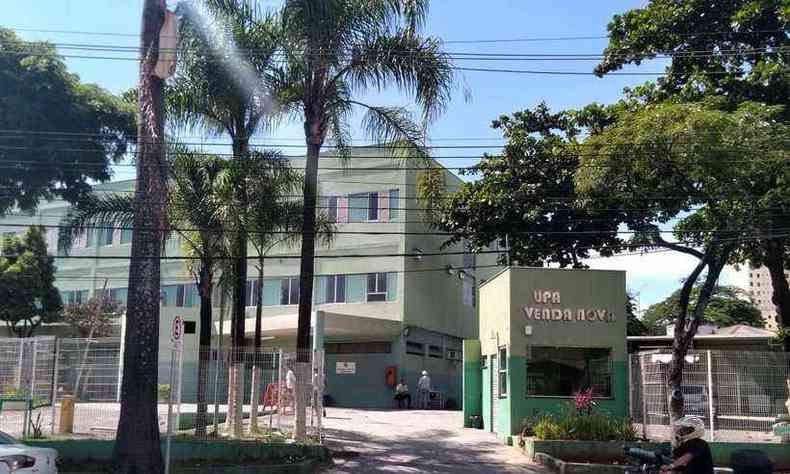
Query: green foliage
[(46, 107), (27, 284), (528, 196), (718, 48), (577, 426), (635, 326), (163, 392), (727, 307)]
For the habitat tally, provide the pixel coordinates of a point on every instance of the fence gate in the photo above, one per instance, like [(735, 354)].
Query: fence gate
[(738, 394)]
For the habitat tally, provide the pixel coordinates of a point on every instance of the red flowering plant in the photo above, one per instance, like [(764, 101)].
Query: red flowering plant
[(584, 401)]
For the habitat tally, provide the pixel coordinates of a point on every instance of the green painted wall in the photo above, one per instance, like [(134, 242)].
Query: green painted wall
[(472, 382), (486, 403)]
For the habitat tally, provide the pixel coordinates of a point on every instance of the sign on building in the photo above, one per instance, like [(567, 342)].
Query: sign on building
[(346, 368), (177, 331)]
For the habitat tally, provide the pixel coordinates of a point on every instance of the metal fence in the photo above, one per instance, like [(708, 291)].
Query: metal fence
[(738, 394), (210, 393)]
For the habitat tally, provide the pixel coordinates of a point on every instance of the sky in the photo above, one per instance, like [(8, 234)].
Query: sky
[(467, 120)]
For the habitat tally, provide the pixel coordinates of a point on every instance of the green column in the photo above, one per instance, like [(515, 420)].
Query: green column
[(472, 382)]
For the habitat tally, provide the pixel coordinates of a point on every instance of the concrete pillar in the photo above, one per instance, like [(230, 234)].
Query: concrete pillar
[(319, 328), (472, 382)]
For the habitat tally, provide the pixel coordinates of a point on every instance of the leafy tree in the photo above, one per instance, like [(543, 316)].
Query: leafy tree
[(56, 133), (728, 306), (333, 52), (27, 278), (527, 196), (634, 326), (737, 50), (698, 168)]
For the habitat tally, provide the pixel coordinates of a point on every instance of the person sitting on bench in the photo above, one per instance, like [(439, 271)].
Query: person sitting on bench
[(402, 394)]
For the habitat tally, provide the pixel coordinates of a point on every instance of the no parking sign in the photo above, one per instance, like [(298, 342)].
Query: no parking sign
[(177, 331)]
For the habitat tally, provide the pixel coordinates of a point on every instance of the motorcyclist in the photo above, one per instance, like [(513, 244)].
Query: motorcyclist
[(691, 453)]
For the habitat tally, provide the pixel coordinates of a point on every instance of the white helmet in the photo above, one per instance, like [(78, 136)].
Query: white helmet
[(424, 372), (687, 428)]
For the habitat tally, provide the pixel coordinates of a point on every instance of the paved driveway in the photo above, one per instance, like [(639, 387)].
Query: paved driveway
[(411, 441)]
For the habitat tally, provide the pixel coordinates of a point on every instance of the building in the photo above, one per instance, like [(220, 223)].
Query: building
[(403, 309), (761, 291), (545, 335), (732, 338)]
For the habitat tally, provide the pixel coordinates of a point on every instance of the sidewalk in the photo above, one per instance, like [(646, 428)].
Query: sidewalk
[(412, 441)]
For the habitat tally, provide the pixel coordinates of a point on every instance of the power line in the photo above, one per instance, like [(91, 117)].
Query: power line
[(365, 232)]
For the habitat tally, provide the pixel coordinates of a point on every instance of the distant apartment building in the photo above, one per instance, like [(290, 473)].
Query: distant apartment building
[(761, 291), (402, 307)]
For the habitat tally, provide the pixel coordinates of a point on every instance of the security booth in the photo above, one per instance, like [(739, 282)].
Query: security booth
[(545, 335)]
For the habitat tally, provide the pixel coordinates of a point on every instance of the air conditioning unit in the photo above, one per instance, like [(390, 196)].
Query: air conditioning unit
[(454, 355)]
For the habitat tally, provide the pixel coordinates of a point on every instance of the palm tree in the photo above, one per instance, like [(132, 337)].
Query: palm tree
[(335, 50), (227, 49), (193, 214), (271, 224)]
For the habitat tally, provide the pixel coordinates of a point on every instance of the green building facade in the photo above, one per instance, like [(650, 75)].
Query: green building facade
[(545, 335)]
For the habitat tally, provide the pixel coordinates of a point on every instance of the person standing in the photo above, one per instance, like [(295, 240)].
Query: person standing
[(423, 390), (402, 394)]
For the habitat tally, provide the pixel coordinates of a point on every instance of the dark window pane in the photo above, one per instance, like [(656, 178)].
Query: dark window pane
[(332, 208), (294, 296), (381, 286), (373, 206), (190, 327), (341, 289), (180, 296), (284, 291), (567, 371), (394, 204), (371, 282), (330, 289)]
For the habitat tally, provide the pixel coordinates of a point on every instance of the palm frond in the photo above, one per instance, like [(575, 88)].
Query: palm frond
[(95, 210)]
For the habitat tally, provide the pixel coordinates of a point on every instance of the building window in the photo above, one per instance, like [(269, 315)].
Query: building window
[(190, 327), (373, 206), (126, 236), (377, 287), (179, 296), (289, 291), (251, 296), (119, 295), (566, 371), (394, 204), (332, 204), (502, 374), (415, 348), (358, 348), (105, 235), (435, 352), (335, 289)]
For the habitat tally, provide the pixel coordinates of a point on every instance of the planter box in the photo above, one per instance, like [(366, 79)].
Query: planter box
[(609, 451)]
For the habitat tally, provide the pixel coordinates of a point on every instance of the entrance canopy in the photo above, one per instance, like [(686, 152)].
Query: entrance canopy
[(335, 325)]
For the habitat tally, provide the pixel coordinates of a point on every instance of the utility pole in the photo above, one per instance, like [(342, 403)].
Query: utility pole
[(137, 446)]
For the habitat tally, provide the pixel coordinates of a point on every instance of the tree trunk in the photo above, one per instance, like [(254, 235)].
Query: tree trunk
[(685, 329), (236, 376), (206, 286), (137, 447), (256, 365), (775, 262), (306, 271)]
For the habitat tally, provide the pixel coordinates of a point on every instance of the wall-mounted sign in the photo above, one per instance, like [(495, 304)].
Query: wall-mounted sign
[(547, 311), (345, 368), (177, 331)]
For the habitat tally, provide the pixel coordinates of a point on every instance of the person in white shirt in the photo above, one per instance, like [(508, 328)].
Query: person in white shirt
[(290, 389), (423, 390), (402, 394)]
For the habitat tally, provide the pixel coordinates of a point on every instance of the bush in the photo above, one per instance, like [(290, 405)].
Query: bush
[(576, 426), (163, 392)]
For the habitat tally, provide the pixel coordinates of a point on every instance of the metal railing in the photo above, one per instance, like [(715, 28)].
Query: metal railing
[(738, 394)]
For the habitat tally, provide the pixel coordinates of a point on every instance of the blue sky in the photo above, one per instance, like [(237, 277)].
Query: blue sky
[(492, 94)]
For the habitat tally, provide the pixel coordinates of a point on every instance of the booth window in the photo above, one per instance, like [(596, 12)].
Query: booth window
[(502, 372), (415, 348), (565, 371), (435, 352), (358, 348)]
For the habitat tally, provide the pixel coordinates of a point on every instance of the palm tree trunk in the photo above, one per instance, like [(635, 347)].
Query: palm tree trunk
[(236, 377), (306, 277), (774, 249), (256, 365), (205, 286), (137, 447)]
